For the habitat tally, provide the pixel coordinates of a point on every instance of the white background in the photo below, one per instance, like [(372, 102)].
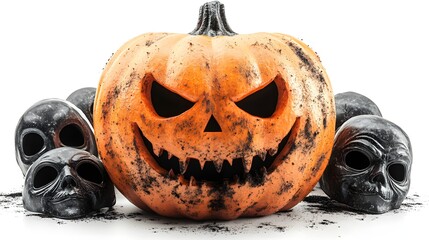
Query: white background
[(377, 48)]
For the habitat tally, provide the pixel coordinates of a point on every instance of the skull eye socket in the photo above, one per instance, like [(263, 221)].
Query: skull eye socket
[(262, 103), (397, 172), (44, 176), (357, 160), (72, 136), (90, 172), (167, 103), (32, 143)]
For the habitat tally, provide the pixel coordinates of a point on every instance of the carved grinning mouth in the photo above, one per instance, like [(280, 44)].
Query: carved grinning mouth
[(193, 172)]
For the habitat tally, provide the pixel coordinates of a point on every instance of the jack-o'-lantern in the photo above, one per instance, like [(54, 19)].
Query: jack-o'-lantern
[(213, 124)]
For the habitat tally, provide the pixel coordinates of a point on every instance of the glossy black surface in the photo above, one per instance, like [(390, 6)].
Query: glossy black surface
[(351, 104), (67, 183), (49, 124), (370, 165), (84, 99)]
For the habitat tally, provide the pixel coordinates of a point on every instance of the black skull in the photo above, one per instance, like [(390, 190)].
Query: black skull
[(84, 99), (370, 165), (67, 183), (351, 104), (49, 124)]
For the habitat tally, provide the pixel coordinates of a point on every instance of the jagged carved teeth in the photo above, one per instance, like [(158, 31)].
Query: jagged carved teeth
[(191, 171)]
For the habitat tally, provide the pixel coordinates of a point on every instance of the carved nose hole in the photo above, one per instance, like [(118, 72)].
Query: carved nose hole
[(212, 125), (68, 182), (379, 178)]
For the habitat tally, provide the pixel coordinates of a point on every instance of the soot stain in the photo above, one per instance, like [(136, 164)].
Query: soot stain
[(255, 179), (308, 63), (285, 187), (315, 169), (325, 123), (309, 136), (149, 43), (220, 192), (147, 182), (307, 130)]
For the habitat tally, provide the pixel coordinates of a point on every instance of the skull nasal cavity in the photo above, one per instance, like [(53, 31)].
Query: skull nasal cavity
[(212, 125), (379, 178), (68, 181)]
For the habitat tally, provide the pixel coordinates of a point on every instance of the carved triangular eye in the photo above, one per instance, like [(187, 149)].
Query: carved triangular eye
[(262, 103), (167, 103)]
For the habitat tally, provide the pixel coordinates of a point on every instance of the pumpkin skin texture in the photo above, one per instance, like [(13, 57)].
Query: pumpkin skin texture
[(210, 129)]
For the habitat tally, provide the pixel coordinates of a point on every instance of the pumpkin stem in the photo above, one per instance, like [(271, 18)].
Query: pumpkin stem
[(212, 21)]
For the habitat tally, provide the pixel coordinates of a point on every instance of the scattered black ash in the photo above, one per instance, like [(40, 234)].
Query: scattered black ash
[(411, 203), (271, 226), (326, 222), (10, 200), (323, 204), (314, 212), (214, 227)]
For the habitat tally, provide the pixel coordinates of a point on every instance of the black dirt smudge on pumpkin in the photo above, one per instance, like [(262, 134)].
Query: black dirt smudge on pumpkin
[(149, 43), (255, 179), (285, 187), (207, 103), (138, 160), (108, 147), (315, 169), (220, 192), (174, 192), (309, 137), (249, 73), (307, 130), (146, 180), (325, 123), (308, 63)]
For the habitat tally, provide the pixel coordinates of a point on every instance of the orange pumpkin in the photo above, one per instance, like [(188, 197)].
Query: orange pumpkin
[(212, 124)]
